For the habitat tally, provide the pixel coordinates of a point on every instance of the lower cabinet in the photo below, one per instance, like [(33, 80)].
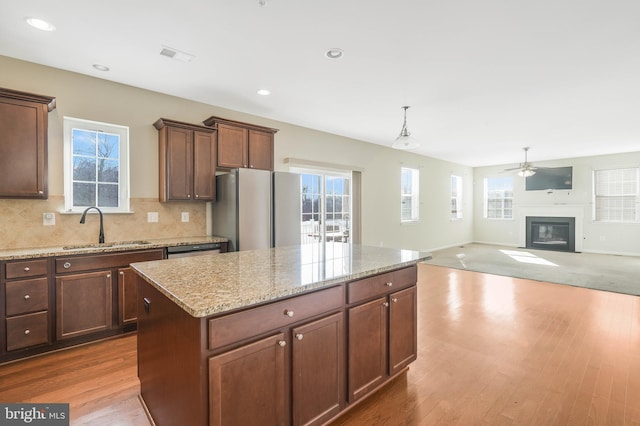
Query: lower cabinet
[(54, 302), (248, 385), (127, 294), (383, 337), (302, 360), (83, 304), (318, 370)]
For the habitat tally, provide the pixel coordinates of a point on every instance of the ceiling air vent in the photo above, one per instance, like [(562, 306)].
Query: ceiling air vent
[(176, 54)]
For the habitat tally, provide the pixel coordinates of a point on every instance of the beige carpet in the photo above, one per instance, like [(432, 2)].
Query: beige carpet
[(618, 274)]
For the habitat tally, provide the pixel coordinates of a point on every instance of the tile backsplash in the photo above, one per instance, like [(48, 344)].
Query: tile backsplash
[(21, 223)]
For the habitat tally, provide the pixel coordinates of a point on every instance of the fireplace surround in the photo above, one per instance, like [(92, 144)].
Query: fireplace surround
[(551, 233)]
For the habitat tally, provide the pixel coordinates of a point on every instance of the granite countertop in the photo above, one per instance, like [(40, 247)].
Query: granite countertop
[(73, 249), (210, 284)]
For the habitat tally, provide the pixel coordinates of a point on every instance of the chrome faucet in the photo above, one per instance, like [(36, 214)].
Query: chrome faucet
[(84, 215)]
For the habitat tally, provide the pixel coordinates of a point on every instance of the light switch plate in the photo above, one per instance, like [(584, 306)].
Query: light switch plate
[(48, 219), (152, 216), (185, 216)]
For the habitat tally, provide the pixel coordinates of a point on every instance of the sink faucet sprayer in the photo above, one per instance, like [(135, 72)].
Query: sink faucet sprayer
[(84, 215)]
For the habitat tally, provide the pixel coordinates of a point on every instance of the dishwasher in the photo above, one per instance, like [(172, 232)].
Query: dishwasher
[(174, 252)]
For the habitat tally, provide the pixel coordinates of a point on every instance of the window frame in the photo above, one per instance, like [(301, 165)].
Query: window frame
[(633, 193), (503, 200), (413, 195), (70, 123)]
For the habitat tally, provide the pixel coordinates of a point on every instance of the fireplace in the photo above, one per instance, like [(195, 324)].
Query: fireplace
[(551, 233)]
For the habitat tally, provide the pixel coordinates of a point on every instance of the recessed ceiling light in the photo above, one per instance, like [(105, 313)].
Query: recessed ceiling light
[(40, 24), (264, 92), (334, 53), (101, 67)]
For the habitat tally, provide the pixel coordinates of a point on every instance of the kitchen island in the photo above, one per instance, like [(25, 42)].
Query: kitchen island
[(291, 335)]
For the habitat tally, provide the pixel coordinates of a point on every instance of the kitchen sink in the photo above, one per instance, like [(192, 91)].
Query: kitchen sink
[(114, 244)]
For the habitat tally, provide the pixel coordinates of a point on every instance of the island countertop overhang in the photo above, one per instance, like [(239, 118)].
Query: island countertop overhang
[(213, 284)]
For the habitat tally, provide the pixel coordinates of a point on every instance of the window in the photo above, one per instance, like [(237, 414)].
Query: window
[(456, 197), (326, 206), (498, 197), (96, 166), (615, 193), (409, 190)]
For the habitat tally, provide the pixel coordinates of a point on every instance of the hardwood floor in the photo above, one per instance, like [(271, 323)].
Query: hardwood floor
[(492, 350)]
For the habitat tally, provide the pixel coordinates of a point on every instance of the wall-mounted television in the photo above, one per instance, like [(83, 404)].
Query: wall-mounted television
[(550, 178)]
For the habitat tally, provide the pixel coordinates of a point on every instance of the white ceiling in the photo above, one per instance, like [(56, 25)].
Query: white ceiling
[(483, 78)]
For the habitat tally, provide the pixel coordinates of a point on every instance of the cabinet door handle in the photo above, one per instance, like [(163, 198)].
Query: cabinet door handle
[(385, 304), (66, 265), (27, 331), (26, 269), (27, 297), (389, 284), (108, 275), (188, 195), (282, 343), (394, 299), (197, 196), (121, 273), (299, 336), (288, 313)]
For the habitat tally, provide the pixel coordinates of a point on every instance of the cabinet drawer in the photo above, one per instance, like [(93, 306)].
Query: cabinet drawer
[(27, 268), (27, 296), (382, 284), (27, 330), (243, 325), (105, 261)]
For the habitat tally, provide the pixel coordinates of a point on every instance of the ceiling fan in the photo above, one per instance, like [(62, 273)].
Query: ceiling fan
[(525, 169)]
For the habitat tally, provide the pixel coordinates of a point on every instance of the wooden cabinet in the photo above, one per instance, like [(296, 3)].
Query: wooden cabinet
[(26, 307), (127, 294), (247, 385), (318, 373), (23, 144), (243, 145), (83, 304), (382, 331), (187, 157), (302, 360), (96, 293)]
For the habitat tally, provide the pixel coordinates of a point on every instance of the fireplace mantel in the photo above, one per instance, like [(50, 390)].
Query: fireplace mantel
[(577, 212)]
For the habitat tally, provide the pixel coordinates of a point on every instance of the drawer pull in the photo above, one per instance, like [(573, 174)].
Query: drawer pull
[(299, 336), (394, 299), (26, 269), (389, 284), (27, 331), (66, 265), (282, 343), (288, 313), (27, 297), (385, 304)]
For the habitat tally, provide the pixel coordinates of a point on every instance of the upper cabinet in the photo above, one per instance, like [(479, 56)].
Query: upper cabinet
[(187, 161), (23, 144), (243, 145)]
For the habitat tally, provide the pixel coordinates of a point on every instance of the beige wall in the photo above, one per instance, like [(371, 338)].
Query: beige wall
[(596, 237), (90, 98)]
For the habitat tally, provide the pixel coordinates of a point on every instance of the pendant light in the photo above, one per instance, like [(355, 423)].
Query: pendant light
[(405, 140)]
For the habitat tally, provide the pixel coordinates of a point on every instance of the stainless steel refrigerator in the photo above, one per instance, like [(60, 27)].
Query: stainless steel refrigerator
[(257, 209)]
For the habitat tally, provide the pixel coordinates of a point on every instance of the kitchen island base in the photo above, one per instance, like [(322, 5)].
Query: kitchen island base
[(299, 360)]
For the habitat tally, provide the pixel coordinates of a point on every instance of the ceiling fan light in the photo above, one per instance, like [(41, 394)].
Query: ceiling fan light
[(405, 140), (526, 172)]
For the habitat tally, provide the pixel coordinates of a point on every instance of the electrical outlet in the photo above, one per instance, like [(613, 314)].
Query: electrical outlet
[(152, 216), (185, 216), (48, 219)]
